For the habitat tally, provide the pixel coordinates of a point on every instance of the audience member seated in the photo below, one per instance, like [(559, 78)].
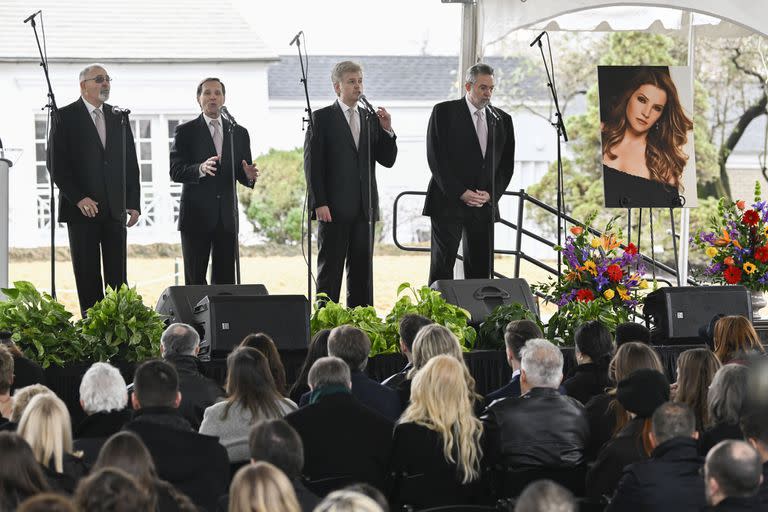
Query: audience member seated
[(606, 415), (344, 441), (640, 394), (546, 496), (318, 347), (25, 371), (726, 400), (541, 430), (670, 480), (431, 340), (110, 490), (48, 502), (695, 370), (736, 340), (6, 381), (46, 427), (436, 450), (266, 345), (194, 463), (21, 398), (261, 487), (251, 396), (516, 334), (20, 474), (348, 501), (732, 475), (754, 425), (594, 349), (631, 331), (372, 492), (179, 345), (103, 397), (409, 327), (352, 346), (126, 451)]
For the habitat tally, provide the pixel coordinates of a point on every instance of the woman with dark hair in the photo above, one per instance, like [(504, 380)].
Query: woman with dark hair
[(594, 349), (126, 451), (251, 396), (695, 370), (47, 502), (266, 345), (20, 474), (735, 339), (643, 136), (110, 490), (318, 348)]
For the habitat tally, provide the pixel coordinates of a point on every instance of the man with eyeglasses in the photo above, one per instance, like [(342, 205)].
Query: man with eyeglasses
[(86, 150)]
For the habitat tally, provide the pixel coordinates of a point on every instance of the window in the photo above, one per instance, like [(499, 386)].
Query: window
[(40, 142), (142, 138)]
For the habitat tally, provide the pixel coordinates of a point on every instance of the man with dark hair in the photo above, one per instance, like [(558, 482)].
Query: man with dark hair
[(670, 480), (754, 424), (631, 331), (732, 476), (516, 334), (409, 328), (200, 159), (179, 345), (467, 139), (352, 346), (196, 464)]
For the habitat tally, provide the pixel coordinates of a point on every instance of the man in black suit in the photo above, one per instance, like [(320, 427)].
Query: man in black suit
[(516, 334), (86, 149), (200, 159), (336, 166), (459, 138)]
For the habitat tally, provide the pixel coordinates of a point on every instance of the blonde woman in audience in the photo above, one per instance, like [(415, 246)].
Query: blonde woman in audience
[(261, 487), (46, 427), (735, 339), (23, 396), (695, 370), (347, 501), (436, 443)]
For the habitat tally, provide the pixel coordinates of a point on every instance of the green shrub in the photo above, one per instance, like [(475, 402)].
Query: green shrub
[(491, 336)]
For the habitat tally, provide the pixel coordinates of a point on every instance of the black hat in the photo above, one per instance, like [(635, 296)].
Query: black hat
[(643, 391)]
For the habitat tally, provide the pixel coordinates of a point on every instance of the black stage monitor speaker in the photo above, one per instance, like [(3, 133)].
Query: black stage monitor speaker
[(224, 320), (481, 296), (679, 312), (177, 303)]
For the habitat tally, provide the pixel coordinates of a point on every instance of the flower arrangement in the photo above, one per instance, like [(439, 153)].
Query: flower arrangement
[(737, 244)]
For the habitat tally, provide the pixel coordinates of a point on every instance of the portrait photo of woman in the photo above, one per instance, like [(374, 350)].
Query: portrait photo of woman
[(647, 136)]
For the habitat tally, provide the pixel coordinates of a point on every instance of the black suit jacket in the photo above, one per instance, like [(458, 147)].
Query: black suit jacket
[(457, 162), (336, 170), (85, 168), (204, 199)]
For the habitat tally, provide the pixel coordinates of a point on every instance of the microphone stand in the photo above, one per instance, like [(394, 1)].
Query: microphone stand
[(491, 149), (370, 119), (54, 121), (560, 128), (310, 127), (231, 131), (123, 200)]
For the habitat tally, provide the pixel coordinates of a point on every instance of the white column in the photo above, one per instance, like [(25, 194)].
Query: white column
[(5, 169)]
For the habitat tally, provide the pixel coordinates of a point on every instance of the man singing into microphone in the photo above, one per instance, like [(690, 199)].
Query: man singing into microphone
[(86, 151), (337, 169), (459, 137), (200, 159)]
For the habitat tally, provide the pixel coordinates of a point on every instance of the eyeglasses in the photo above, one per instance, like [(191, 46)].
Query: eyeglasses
[(99, 79)]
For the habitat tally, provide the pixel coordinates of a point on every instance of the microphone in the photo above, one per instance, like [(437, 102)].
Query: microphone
[(295, 38), (226, 115), (493, 112), (120, 111), (538, 37), (367, 104), (31, 16)]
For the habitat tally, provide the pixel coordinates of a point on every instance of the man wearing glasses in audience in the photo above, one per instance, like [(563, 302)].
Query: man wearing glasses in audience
[(85, 156)]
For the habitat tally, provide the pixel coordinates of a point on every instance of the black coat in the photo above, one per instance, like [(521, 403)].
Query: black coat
[(421, 476), (762, 494), (94, 430), (83, 168), (719, 432), (74, 468), (25, 373), (343, 438), (370, 393), (602, 422), (732, 504), (667, 482), (512, 388), (621, 451), (195, 464), (393, 381), (585, 381), (336, 170), (198, 392), (206, 199)]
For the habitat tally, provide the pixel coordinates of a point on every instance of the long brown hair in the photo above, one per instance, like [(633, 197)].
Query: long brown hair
[(20, 474), (250, 383), (734, 336), (664, 155), (629, 357), (266, 345), (695, 370)]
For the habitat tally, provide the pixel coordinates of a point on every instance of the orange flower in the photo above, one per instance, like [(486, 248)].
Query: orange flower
[(725, 240), (728, 261), (610, 242), (577, 230), (740, 204)]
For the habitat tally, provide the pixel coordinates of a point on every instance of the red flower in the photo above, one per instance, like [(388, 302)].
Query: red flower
[(614, 273), (732, 275), (585, 295), (761, 254), (750, 218), (631, 249)]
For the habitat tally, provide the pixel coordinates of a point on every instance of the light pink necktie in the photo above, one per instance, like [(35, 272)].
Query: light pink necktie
[(482, 130), (218, 140), (98, 119)]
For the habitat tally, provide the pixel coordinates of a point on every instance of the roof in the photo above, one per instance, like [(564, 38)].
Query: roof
[(130, 31), (387, 77)]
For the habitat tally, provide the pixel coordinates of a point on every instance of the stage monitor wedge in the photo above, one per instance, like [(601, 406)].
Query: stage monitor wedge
[(177, 303), (481, 296)]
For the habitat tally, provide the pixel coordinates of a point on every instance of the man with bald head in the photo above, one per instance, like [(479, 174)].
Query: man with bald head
[(85, 157), (732, 476)]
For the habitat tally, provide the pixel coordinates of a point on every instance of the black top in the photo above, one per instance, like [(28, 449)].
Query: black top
[(585, 381), (624, 190), (25, 373)]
